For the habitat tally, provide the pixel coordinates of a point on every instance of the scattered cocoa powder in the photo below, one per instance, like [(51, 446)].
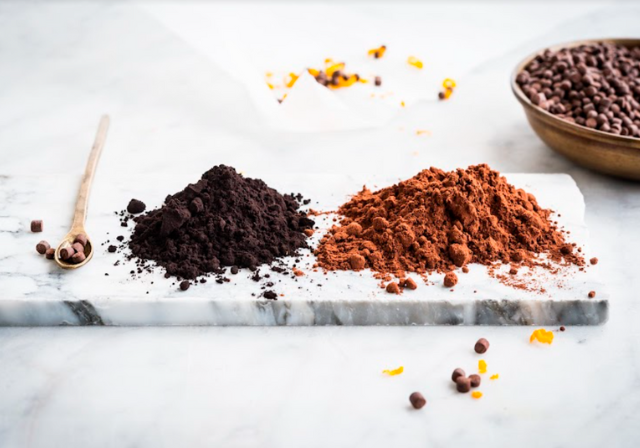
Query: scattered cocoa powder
[(438, 220)]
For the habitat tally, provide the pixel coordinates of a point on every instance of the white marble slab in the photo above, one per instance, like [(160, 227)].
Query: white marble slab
[(36, 292)]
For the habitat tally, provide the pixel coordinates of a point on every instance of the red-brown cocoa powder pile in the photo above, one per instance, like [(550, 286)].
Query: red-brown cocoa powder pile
[(438, 220)]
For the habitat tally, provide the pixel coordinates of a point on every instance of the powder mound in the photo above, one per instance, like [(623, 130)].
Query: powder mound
[(224, 219), (437, 221)]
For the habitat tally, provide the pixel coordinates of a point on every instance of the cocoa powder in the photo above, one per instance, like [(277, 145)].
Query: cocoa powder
[(224, 219), (438, 221)]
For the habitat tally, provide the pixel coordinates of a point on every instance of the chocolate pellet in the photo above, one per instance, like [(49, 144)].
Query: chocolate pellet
[(135, 206), (42, 247), (594, 260), (562, 328), (475, 380), (592, 294), (450, 279), (82, 239), (50, 253), (184, 285), (36, 226), (67, 252), (377, 81), (78, 257), (463, 384), (457, 373), (112, 248), (594, 85), (481, 346), (234, 270), (78, 247), (417, 400)]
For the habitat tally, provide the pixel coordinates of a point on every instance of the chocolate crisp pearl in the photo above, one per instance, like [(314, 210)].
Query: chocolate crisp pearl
[(417, 400)]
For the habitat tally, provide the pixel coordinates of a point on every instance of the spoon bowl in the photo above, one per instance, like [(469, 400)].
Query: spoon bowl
[(67, 241)]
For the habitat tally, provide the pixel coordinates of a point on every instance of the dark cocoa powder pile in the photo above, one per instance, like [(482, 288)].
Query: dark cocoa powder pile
[(437, 221), (224, 219)]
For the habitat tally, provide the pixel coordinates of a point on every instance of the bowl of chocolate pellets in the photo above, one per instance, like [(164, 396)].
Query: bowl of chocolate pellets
[(583, 100)]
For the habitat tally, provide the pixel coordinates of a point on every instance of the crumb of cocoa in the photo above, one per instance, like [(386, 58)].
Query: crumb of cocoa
[(593, 261), (409, 283), (450, 279), (393, 288), (592, 294)]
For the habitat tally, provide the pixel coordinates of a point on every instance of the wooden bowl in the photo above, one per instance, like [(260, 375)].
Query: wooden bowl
[(600, 151)]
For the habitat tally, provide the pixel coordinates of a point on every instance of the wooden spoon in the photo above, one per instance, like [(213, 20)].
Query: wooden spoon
[(82, 203)]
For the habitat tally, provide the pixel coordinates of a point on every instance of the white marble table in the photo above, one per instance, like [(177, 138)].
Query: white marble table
[(62, 65)]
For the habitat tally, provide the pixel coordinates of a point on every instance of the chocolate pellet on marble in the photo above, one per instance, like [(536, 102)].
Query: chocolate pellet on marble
[(481, 346), (184, 285), (42, 247), (36, 226), (417, 400), (463, 384), (50, 253), (457, 373), (475, 380)]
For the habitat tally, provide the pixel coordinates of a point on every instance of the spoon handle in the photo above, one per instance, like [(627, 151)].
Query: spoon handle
[(82, 202)]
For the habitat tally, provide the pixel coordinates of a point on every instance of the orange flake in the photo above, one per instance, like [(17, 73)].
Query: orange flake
[(494, 377), (402, 103), (423, 132), (377, 52), (270, 85), (334, 68), (482, 366), (292, 80), (417, 63), (394, 372), (541, 335), (476, 394), (313, 72), (449, 83)]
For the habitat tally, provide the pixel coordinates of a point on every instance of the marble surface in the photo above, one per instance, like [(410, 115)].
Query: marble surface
[(104, 292), (176, 110)]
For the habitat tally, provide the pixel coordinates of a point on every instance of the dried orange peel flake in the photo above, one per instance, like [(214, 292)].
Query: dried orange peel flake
[(482, 366), (449, 83), (541, 335), (417, 63), (494, 377), (292, 79), (377, 52), (394, 372), (476, 394)]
